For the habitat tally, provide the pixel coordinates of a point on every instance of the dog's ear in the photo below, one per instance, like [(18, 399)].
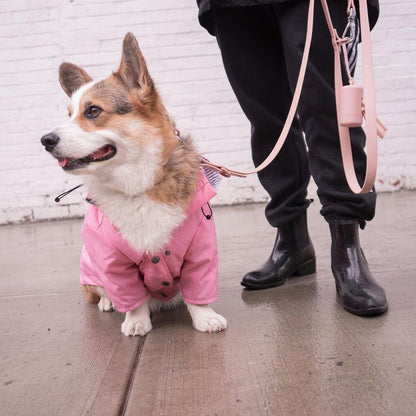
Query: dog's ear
[(133, 70), (72, 77)]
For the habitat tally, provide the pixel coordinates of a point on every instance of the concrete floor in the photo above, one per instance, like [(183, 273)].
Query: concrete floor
[(291, 350)]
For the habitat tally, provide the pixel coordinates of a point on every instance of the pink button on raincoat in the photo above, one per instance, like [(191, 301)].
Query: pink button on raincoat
[(189, 262)]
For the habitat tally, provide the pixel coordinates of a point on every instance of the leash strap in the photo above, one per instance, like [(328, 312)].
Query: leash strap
[(292, 110), (373, 126)]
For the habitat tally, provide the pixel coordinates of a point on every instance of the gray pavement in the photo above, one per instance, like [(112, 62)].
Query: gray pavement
[(290, 350)]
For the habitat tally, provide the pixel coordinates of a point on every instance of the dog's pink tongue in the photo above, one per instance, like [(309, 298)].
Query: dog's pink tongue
[(62, 161)]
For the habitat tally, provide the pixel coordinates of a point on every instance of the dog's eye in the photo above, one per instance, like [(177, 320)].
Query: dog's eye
[(92, 111)]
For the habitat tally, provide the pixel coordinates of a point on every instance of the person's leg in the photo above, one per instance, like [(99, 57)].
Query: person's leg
[(254, 62), (317, 110), (343, 209)]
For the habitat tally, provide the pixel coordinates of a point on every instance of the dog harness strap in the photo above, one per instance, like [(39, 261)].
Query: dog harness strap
[(64, 194)]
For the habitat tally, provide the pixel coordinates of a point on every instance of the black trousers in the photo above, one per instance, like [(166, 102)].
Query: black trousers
[(262, 47)]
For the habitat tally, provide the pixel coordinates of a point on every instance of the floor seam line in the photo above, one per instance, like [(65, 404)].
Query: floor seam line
[(132, 376)]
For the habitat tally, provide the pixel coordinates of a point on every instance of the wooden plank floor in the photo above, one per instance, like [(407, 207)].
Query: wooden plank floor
[(291, 350)]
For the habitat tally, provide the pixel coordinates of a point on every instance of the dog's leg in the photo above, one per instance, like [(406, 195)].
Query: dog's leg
[(137, 321), (105, 304), (97, 294), (205, 319)]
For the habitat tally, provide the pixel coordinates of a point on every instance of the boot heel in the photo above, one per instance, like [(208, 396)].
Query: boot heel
[(337, 287), (306, 268)]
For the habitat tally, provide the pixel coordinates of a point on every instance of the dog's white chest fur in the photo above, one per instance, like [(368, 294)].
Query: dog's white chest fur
[(144, 223)]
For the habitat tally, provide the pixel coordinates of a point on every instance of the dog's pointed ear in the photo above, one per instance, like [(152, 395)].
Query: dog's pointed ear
[(72, 77), (133, 70)]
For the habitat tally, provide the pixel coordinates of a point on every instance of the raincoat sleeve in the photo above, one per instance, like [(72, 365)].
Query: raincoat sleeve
[(117, 273), (199, 274)]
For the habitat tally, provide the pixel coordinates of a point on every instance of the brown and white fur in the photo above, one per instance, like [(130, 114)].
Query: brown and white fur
[(121, 141)]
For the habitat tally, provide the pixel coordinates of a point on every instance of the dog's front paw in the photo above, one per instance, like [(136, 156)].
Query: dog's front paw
[(105, 304), (214, 323), (205, 319), (134, 327), (137, 321)]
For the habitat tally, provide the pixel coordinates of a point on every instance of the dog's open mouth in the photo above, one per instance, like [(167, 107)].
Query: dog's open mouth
[(103, 153)]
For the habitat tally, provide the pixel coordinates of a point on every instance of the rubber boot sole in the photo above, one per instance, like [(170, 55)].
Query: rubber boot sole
[(304, 269)]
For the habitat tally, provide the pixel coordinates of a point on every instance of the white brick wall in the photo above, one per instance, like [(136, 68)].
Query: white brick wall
[(36, 36)]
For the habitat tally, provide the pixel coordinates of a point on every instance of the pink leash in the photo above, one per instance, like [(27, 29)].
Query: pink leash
[(349, 103)]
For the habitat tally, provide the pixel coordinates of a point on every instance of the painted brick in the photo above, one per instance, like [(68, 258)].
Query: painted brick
[(35, 37)]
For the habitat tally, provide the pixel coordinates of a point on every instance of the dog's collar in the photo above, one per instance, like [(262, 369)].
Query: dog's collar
[(90, 201)]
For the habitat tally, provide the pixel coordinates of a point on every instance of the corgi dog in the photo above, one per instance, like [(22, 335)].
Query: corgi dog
[(149, 236)]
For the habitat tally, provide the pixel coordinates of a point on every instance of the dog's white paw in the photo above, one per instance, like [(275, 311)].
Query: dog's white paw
[(215, 323), (205, 319), (105, 304), (134, 327), (137, 321)]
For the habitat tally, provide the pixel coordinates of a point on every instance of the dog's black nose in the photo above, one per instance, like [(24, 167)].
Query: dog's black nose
[(50, 140)]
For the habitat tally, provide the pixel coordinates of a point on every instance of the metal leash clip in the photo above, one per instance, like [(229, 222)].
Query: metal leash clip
[(349, 31)]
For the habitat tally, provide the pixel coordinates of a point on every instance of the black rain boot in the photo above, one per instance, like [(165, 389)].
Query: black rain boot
[(293, 255), (360, 293)]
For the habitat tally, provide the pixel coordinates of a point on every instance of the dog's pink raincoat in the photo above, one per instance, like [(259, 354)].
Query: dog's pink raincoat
[(188, 263)]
